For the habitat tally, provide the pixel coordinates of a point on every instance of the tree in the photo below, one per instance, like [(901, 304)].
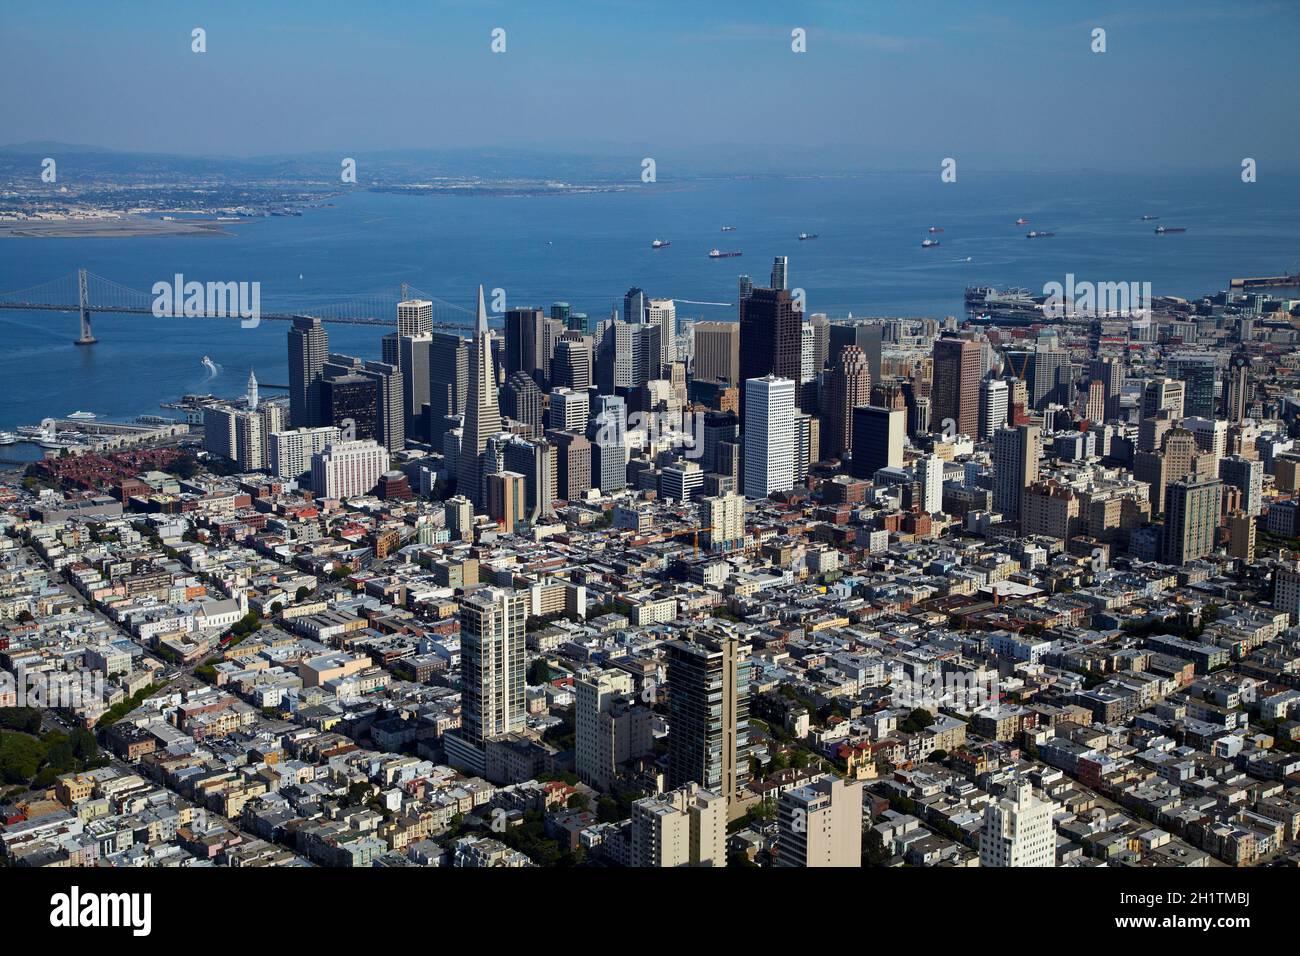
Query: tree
[(538, 672), (301, 594)]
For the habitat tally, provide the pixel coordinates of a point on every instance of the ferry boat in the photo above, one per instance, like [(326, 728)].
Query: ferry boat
[(929, 243), (8, 438), (715, 254), (659, 244), (1161, 230), (83, 416)]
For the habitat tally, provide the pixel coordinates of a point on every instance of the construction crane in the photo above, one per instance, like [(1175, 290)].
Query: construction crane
[(691, 531)]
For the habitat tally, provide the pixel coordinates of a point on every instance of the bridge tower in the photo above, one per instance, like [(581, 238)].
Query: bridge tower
[(83, 303)]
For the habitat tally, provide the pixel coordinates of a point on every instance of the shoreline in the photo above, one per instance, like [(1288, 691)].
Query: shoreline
[(110, 228)]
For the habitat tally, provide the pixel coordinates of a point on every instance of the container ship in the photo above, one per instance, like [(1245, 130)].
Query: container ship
[(715, 254), (1161, 230)]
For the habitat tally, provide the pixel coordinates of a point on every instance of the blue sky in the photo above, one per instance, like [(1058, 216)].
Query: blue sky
[(1008, 86)]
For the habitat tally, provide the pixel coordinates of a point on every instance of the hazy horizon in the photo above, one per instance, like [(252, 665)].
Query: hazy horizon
[(877, 90)]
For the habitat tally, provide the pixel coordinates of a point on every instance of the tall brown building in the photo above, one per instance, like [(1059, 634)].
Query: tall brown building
[(955, 391), (771, 337), (717, 352), (847, 386), (573, 460)]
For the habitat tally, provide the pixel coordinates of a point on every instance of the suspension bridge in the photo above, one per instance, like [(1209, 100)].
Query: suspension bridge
[(86, 293)]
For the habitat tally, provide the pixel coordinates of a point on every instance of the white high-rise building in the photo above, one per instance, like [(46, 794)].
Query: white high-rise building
[(1286, 589), (724, 516), (414, 317), (1018, 830), (820, 824), (807, 353), (663, 313), (771, 438), (929, 474), (611, 726), (569, 410), (995, 399), (348, 469), (685, 827), (493, 673), (292, 451)]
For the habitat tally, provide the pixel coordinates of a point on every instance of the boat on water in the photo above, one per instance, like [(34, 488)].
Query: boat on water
[(659, 244), (929, 243), (1161, 230), (1035, 234), (934, 229), (715, 254), (83, 416), (1022, 221), (728, 228), (1147, 217), (807, 235), (8, 438)]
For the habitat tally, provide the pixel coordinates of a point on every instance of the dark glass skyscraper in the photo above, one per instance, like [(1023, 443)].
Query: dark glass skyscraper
[(308, 346), (770, 336)]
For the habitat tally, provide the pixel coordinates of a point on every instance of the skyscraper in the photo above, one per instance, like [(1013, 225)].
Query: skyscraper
[(877, 439), (780, 272), (1018, 830), (1198, 375), (493, 669), (1191, 517), (308, 346), (929, 474), (571, 365), (448, 382), (351, 402), (414, 317), (521, 401), (770, 435), (866, 335), (848, 385), (482, 415), (413, 358), (1110, 372), (717, 352), (1246, 474), (663, 313), (955, 394), (1016, 452), (1237, 395), (347, 469), (526, 343), (820, 824), (770, 337), (611, 726), (708, 707), (994, 402)]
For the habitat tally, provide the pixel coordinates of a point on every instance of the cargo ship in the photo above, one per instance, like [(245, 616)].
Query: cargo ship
[(934, 229), (659, 244), (715, 254), (929, 243), (728, 228), (1022, 221), (1148, 217), (807, 235), (1161, 230), (1034, 234)]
